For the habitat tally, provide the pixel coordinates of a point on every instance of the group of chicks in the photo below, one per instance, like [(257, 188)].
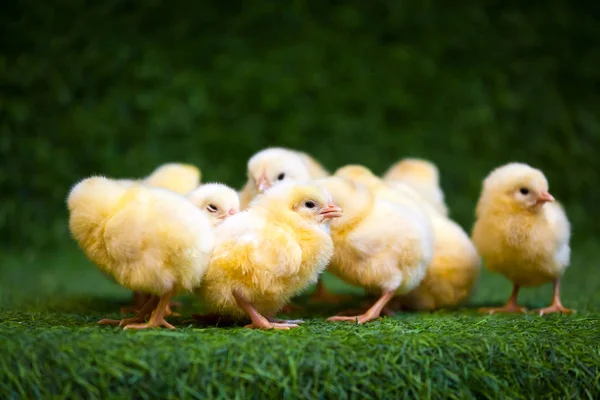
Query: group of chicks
[(248, 253)]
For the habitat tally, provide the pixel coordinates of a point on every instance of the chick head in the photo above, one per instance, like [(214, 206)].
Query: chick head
[(292, 200), (516, 186), (272, 166), (216, 200), (352, 196), (414, 168), (358, 173), (180, 178)]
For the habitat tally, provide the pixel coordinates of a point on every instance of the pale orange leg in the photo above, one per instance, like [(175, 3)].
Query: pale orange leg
[(556, 305), (158, 315), (140, 315), (258, 321), (322, 294), (139, 300), (511, 305), (372, 313)]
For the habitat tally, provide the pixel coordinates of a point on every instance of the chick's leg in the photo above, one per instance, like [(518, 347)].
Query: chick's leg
[(322, 294), (158, 315), (511, 305), (372, 313), (556, 305), (139, 316), (139, 299), (258, 321)]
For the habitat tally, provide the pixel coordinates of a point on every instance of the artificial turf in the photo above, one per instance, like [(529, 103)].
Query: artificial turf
[(51, 346)]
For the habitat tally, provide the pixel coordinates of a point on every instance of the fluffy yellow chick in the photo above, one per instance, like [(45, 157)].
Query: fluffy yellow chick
[(265, 255), (423, 177), (216, 200), (274, 165), (148, 239), (379, 245), (455, 267), (522, 233)]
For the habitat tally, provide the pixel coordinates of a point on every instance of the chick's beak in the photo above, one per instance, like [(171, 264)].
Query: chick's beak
[(231, 212), (331, 211), (263, 183), (544, 197)]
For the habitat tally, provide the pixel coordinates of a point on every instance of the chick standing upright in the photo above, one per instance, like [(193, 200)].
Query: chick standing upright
[(423, 177), (177, 177), (379, 245), (274, 165), (265, 255), (147, 239), (455, 267), (522, 233)]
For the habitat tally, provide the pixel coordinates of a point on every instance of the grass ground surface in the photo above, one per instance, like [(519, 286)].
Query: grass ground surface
[(52, 348)]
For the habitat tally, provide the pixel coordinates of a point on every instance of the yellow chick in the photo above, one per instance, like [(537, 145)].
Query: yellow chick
[(177, 177), (265, 255), (379, 245), (274, 165), (455, 267), (423, 177), (147, 239), (216, 200), (522, 233)]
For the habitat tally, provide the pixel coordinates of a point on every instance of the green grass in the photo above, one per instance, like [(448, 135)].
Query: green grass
[(52, 348)]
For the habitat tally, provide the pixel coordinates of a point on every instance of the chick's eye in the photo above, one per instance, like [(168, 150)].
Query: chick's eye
[(310, 204), (280, 176), (212, 208), (524, 191)]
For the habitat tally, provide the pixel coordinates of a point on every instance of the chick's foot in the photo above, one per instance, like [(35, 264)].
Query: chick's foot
[(511, 305), (556, 303), (158, 316), (372, 313), (556, 308), (140, 315), (259, 321)]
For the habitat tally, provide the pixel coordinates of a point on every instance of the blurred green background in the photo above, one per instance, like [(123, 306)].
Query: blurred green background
[(117, 88)]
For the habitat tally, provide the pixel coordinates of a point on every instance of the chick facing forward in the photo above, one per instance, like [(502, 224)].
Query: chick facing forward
[(379, 245), (455, 265), (275, 165), (522, 233), (423, 177), (216, 200), (265, 255), (147, 239)]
